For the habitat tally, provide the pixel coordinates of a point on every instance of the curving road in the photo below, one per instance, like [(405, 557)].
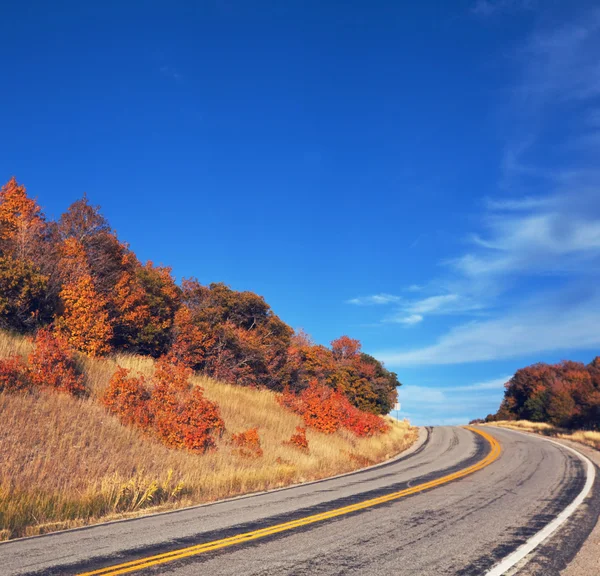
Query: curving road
[(461, 526)]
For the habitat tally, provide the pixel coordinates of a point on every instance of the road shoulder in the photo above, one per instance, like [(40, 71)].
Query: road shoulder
[(587, 560)]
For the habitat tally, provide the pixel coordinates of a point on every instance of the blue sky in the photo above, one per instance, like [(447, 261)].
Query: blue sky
[(423, 176)]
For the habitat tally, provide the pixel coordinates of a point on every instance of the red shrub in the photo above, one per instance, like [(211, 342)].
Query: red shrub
[(14, 375), (52, 365), (128, 398), (191, 423), (298, 439), (248, 443), (327, 410), (172, 408)]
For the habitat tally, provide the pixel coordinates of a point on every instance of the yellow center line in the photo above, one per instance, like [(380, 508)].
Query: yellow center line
[(197, 549)]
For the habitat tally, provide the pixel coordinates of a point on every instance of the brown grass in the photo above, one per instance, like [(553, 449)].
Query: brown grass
[(588, 438), (66, 462)]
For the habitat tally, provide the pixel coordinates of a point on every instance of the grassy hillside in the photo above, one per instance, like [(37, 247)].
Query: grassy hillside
[(589, 438), (66, 462)]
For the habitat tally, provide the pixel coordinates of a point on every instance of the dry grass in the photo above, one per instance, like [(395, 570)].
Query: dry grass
[(588, 438), (66, 462)]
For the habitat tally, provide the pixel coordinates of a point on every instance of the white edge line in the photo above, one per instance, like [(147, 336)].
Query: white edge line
[(549, 529)]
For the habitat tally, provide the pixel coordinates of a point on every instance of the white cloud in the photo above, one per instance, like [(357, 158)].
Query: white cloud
[(539, 327), (546, 235), (432, 304), (409, 320), (450, 405), (374, 300), (496, 384), (412, 312)]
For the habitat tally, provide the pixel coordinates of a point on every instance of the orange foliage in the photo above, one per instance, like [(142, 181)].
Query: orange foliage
[(14, 375), (174, 410), (327, 410), (248, 443), (84, 319), (565, 394), (298, 439), (21, 221), (128, 398), (145, 299), (52, 365), (191, 345)]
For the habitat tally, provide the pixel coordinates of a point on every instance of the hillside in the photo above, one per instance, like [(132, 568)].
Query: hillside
[(68, 462)]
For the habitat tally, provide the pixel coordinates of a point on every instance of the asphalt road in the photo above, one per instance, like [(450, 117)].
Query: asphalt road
[(462, 527)]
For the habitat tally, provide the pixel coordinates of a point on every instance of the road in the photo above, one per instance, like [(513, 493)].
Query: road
[(472, 516)]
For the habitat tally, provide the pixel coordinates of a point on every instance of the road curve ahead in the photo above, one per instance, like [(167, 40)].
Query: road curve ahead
[(463, 502)]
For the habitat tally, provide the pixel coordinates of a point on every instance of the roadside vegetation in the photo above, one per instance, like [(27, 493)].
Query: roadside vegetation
[(122, 391), (588, 437), (560, 400)]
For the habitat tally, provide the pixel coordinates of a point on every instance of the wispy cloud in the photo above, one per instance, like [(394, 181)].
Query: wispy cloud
[(450, 405), (548, 235), (413, 311), (374, 300), (529, 275), (408, 320), (550, 324)]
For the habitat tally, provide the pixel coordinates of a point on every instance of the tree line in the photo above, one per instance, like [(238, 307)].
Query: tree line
[(566, 394), (75, 277)]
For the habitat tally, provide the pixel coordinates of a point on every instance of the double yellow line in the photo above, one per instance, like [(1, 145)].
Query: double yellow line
[(149, 561)]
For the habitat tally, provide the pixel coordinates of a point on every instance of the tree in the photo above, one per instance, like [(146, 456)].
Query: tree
[(84, 318), (23, 283), (22, 294), (144, 302), (22, 225), (85, 225), (237, 337)]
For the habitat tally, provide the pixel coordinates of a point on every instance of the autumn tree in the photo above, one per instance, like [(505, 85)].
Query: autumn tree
[(22, 225), (84, 224), (564, 394), (241, 340), (24, 302), (84, 318), (22, 294), (144, 303)]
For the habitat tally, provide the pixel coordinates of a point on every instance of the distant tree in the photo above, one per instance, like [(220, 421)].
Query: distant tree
[(564, 394)]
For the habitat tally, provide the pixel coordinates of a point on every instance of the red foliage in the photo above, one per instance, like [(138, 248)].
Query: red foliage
[(248, 443), (14, 376), (298, 439), (128, 398), (565, 394), (191, 422), (173, 409), (52, 365), (327, 410), (345, 348)]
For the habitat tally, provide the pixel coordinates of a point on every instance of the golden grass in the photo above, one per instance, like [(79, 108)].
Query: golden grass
[(66, 462), (588, 438)]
